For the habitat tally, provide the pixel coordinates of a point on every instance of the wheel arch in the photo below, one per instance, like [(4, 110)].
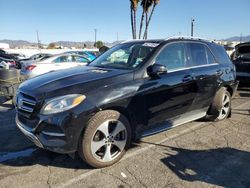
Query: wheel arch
[(131, 118), (229, 89)]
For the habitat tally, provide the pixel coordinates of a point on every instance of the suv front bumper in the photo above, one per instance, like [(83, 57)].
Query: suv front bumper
[(59, 133), (28, 133)]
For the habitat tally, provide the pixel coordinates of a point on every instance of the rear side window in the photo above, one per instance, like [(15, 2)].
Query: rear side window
[(220, 54), (199, 55), (172, 56)]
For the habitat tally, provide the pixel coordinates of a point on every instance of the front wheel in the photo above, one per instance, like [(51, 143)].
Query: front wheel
[(221, 106), (105, 139)]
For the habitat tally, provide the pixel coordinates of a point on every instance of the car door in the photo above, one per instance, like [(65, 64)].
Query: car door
[(206, 72), (170, 95)]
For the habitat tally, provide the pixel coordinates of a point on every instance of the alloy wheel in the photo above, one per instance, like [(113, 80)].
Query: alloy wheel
[(109, 140), (225, 107)]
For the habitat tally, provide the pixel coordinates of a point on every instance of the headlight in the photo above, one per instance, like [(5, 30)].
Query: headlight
[(60, 104)]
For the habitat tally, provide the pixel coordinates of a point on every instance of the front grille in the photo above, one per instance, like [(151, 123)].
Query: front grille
[(25, 104)]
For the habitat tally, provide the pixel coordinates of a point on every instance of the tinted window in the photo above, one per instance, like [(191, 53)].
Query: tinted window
[(172, 56), (220, 53), (198, 54), (210, 57)]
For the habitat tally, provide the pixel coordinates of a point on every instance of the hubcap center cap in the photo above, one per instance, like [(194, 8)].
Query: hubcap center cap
[(110, 139)]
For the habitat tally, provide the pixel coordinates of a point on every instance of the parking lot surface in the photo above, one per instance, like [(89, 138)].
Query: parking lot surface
[(197, 154)]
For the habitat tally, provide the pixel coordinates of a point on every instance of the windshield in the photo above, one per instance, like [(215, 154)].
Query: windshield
[(243, 52), (125, 56)]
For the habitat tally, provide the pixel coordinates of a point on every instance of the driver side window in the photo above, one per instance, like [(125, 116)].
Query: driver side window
[(172, 56)]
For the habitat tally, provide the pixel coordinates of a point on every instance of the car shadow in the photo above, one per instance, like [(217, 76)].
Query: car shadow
[(33, 156), (226, 167)]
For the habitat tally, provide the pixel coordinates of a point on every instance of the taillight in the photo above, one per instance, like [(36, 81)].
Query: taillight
[(30, 67), (12, 63)]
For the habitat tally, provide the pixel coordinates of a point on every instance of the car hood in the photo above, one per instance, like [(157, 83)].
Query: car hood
[(73, 80)]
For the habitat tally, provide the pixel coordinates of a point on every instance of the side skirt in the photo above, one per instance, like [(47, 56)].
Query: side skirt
[(173, 123)]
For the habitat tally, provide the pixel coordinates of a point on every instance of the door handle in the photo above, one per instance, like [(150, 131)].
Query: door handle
[(187, 78)]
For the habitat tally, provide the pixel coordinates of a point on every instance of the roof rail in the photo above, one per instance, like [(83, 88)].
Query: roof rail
[(189, 37), (130, 40)]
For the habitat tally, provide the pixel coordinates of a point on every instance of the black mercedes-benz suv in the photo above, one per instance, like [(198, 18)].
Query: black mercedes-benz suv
[(135, 89)]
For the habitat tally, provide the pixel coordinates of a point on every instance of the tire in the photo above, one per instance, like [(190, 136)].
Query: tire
[(221, 106), (105, 140)]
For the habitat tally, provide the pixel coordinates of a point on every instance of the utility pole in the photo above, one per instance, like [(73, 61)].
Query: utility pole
[(117, 36), (240, 37), (192, 27), (95, 36), (38, 41)]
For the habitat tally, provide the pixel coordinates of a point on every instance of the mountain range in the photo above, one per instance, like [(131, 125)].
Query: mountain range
[(237, 38), (21, 43)]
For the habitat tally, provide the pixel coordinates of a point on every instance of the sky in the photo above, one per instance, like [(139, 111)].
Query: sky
[(75, 20)]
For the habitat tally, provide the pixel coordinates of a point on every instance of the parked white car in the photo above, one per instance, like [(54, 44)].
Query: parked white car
[(57, 62)]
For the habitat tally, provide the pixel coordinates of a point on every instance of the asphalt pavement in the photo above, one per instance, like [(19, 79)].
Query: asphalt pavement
[(196, 154)]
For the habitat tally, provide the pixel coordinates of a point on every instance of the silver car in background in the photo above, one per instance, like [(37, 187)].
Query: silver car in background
[(56, 62)]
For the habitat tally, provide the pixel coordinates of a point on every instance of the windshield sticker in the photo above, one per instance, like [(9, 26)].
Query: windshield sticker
[(150, 44)]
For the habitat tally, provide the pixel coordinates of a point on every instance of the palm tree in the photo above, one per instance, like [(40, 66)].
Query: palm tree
[(143, 4), (133, 9), (148, 20), (146, 4)]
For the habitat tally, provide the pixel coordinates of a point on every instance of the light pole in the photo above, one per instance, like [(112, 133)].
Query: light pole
[(38, 41), (95, 37), (192, 27)]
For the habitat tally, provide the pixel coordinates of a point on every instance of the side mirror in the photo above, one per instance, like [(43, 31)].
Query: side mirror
[(156, 70)]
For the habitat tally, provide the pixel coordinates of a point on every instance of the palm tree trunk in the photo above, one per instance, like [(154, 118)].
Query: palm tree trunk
[(132, 22), (141, 25), (135, 24), (146, 29), (146, 22)]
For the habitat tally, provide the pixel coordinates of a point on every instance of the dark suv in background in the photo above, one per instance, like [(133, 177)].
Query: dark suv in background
[(135, 89), (241, 59)]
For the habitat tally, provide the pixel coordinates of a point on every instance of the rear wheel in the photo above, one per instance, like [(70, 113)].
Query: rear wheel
[(105, 139), (221, 106)]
